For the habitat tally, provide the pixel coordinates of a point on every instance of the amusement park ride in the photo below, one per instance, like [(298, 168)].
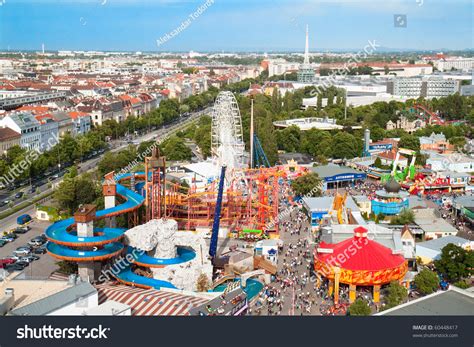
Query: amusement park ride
[(408, 172), (427, 115), (242, 198)]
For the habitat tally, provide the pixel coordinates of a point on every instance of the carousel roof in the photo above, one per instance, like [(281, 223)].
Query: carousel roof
[(359, 253)]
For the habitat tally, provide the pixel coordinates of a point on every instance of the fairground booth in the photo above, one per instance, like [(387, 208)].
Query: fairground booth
[(358, 261), (335, 176)]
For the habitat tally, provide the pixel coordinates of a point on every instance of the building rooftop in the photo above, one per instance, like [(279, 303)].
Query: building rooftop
[(108, 308), (28, 291), (24, 120), (453, 302), (429, 222), (8, 134), (464, 201), (439, 244), (341, 232), (333, 170), (309, 123), (300, 158), (55, 301)]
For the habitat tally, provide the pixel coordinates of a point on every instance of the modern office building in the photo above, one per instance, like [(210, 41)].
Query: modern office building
[(423, 87)]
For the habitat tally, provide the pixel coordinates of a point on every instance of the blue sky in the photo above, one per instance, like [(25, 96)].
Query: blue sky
[(230, 25)]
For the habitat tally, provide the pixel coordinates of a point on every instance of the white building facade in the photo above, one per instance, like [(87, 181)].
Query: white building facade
[(25, 124)]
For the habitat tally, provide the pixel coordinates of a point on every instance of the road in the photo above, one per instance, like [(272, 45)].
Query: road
[(91, 164)]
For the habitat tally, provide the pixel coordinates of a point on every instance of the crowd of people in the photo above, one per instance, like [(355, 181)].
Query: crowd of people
[(296, 289)]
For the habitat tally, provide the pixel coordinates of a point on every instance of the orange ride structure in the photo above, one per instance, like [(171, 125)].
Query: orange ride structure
[(358, 261), (250, 200)]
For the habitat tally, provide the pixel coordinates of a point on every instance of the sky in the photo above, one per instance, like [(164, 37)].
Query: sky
[(234, 25)]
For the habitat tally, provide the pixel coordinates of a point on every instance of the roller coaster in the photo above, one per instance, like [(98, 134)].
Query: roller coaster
[(250, 200)]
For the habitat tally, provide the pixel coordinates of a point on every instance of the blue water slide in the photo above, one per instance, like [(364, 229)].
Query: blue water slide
[(184, 255), (128, 277), (97, 254), (67, 245)]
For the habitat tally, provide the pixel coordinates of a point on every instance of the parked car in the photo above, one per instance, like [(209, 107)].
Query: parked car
[(6, 261), (22, 263), (8, 238), (22, 251), (20, 230), (23, 219), (3, 242), (29, 258), (19, 195), (40, 250), (35, 243), (15, 267)]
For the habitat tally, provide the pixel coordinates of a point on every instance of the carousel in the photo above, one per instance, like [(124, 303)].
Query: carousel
[(358, 261)]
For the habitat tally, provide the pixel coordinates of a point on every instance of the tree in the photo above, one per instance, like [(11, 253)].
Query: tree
[(289, 139), (65, 194), (378, 162), (377, 133), (359, 307), (410, 142), (202, 284), (345, 146), (455, 263), (67, 267), (319, 102), (74, 191), (330, 97), (396, 294), (426, 281), (461, 284), (174, 148), (405, 217), (308, 185)]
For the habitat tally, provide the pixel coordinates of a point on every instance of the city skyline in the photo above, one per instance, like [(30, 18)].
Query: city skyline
[(122, 25)]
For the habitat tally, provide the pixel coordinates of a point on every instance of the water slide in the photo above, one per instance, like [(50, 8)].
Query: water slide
[(106, 243)]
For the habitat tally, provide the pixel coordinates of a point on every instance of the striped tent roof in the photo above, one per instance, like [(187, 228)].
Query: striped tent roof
[(149, 302)]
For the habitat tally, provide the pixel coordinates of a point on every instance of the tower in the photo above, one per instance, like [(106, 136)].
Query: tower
[(366, 143), (306, 47), (155, 171), (305, 71), (84, 218), (108, 191)]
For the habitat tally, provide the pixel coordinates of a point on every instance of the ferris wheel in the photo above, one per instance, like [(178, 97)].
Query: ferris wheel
[(227, 144)]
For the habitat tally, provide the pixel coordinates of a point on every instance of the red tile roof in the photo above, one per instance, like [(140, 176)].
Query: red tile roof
[(36, 110), (78, 114), (390, 155), (8, 134)]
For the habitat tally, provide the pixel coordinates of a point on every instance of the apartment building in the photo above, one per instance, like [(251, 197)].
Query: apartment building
[(423, 87), (8, 139), (25, 124)]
